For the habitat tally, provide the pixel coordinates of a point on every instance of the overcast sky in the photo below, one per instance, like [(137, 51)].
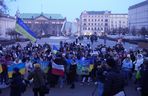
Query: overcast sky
[(69, 8)]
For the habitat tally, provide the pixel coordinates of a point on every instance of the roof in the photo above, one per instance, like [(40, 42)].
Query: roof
[(119, 14), (138, 5), (97, 12), (35, 15), (7, 16)]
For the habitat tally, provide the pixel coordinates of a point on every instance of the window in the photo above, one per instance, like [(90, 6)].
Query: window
[(106, 20), (88, 23), (92, 20), (84, 20), (101, 19), (88, 28), (84, 28), (95, 19), (88, 19), (84, 24), (106, 24), (95, 24), (95, 28), (102, 29), (91, 23), (91, 28), (98, 19), (98, 29)]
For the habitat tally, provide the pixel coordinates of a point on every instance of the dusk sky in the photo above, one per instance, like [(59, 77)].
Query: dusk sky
[(69, 8)]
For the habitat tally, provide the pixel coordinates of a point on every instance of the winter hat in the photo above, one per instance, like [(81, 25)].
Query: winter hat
[(111, 62), (37, 65)]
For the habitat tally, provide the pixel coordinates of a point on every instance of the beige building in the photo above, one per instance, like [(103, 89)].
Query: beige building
[(44, 24), (6, 22), (138, 16), (101, 21)]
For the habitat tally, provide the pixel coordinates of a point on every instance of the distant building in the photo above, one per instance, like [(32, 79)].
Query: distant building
[(6, 23), (117, 21), (71, 28), (101, 21), (138, 16), (44, 24)]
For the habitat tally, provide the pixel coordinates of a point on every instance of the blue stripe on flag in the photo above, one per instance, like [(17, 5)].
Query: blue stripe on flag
[(22, 28)]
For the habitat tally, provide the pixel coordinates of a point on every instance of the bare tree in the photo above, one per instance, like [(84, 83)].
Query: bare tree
[(133, 31), (3, 7), (13, 34), (143, 32)]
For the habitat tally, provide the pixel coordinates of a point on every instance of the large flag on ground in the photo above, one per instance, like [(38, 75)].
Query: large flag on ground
[(57, 69), (23, 29)]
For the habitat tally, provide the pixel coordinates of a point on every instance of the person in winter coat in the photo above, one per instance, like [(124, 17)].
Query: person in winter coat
[(144, 79), (114, 80), (39, 80), (127, 66), (16, 83), (72, 73), (101, 72)]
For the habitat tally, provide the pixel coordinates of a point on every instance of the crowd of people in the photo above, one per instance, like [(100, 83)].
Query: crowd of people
[(112, 69)]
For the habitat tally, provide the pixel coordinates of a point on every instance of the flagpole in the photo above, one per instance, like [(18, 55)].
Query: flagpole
[(41, 6)]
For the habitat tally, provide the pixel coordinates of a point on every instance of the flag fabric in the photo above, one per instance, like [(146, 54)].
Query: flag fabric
[(44, 66), (55, 49), (91, 67), (83, 67), (20, 66), (23, 29), (57, 69), (1, 69)]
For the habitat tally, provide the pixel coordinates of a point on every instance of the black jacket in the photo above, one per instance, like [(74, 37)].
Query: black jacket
[(16, 84), (114, 83), (144, 80), (39, 78)]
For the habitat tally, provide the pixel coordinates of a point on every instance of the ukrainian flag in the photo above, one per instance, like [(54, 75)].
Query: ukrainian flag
[(23, 29), (1, 69), (55, 49), (20, 66)]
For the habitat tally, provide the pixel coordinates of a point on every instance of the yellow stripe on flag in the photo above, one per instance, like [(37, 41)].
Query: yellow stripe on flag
[(91, 67), (10, 74), (1, 70), (22, 71)]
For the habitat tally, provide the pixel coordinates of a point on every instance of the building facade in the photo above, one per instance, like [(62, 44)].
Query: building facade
[(44, 24), (6, 23), (138, 16), (101, 21), (117, 21)]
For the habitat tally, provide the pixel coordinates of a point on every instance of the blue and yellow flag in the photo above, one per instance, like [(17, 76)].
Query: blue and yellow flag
[(20, 66), (1, 69), (23, 29), (55, 49)]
